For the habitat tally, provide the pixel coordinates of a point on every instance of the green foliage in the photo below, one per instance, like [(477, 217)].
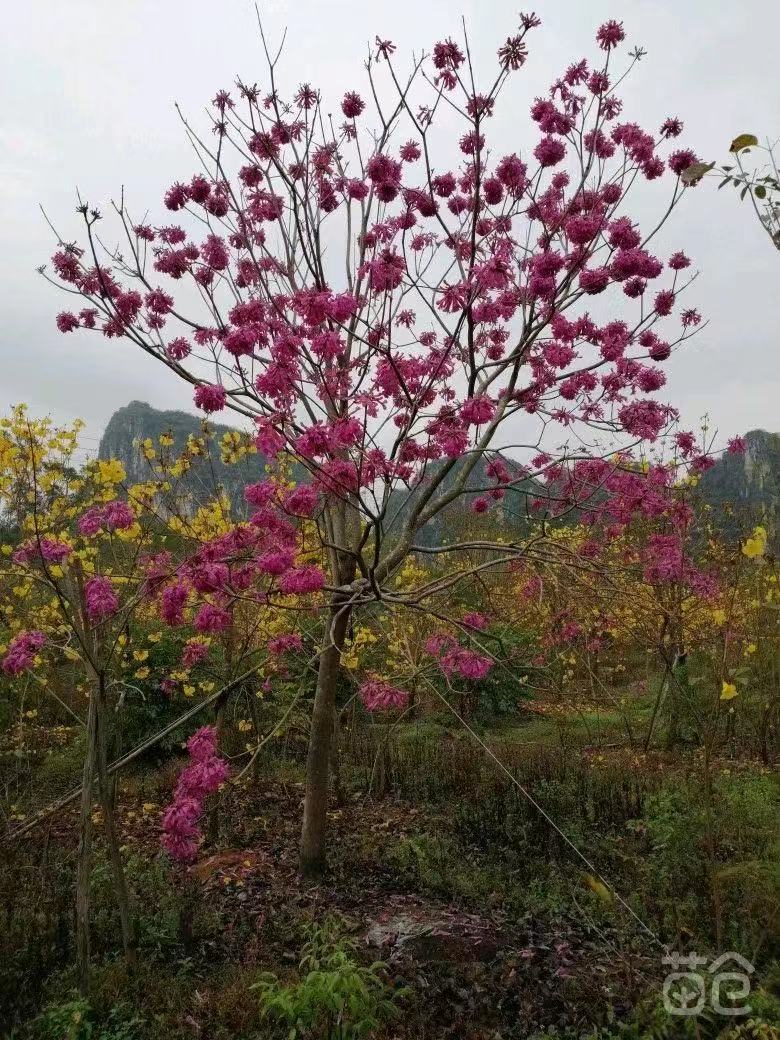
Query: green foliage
[(737, 826), (71, 1020), (335, 998), (75, 1020)]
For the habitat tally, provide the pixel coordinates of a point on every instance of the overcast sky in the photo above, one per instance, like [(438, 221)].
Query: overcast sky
[(89, 86)]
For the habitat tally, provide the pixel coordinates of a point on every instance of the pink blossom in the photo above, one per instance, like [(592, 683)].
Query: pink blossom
[(214, 253), (91, 522), (21, 651), (212, 619), (467, 663), (210, 398), (736, 446), (194, 653), (302, 500), (475, 620), (610, 34), (67, 322), (100, 599), (178, 349), (678, 261), (410, 152), (644, 419), (550, 151), (681, 160), (664, 302), (690, 317), (512, 173), (352, 105), (118, 515), (444, 185), (594, 280), (202, 745), (202, 777), (387, 271), (283, 644), (276, 561), (173, 600), (268, 440), (301, 580), (671, 128), (176, 197), (477, 410), (686, 442), (378, 695)]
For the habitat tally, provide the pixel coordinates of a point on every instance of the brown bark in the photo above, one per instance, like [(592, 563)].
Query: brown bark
[(84, 856), (121, 892), (315, 807)]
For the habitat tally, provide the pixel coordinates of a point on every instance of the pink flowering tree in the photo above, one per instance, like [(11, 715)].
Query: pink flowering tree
[(96, 572), (400, 308)]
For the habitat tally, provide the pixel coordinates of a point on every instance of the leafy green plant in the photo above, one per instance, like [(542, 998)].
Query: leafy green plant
[(71, 1020), (76, 1020), (336, 997)]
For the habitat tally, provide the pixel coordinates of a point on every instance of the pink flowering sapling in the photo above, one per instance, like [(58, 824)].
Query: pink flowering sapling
[(203, 776), (390, 319)]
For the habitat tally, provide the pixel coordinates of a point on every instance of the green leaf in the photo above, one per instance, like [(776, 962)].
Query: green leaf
[(743, 141), (759, 191), (694, 173)]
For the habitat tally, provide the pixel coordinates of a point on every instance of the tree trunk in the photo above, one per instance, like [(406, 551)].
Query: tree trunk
[(315, 806), (84, 856), (335, 757), (121, 893), (256, 724)]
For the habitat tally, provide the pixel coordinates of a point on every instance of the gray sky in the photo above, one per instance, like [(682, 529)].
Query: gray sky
[(89, 86)]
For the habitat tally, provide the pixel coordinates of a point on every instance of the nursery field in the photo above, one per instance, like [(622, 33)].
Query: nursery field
[(411, 669)]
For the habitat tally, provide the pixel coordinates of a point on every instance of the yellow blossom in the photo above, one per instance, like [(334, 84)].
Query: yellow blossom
[(755, 545), (728, 691), (110, 471)]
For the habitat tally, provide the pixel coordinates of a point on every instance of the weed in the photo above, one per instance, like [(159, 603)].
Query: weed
[(336, 997)]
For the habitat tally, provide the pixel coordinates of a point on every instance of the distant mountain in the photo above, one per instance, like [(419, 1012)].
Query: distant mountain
[(750, 483), (138, 421)]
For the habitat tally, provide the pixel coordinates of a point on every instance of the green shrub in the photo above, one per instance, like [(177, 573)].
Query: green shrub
[(75, 1020), (71, 1020), (335, 998)]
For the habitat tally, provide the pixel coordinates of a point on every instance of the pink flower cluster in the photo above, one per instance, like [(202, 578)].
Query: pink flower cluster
[(51, 550), (100, 598), (195, 652), (21, 652), (113, 516), (253, 561), (202, 777), (379, 695), (665, 562), (453, 658), (285, 643), (210, 398)]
